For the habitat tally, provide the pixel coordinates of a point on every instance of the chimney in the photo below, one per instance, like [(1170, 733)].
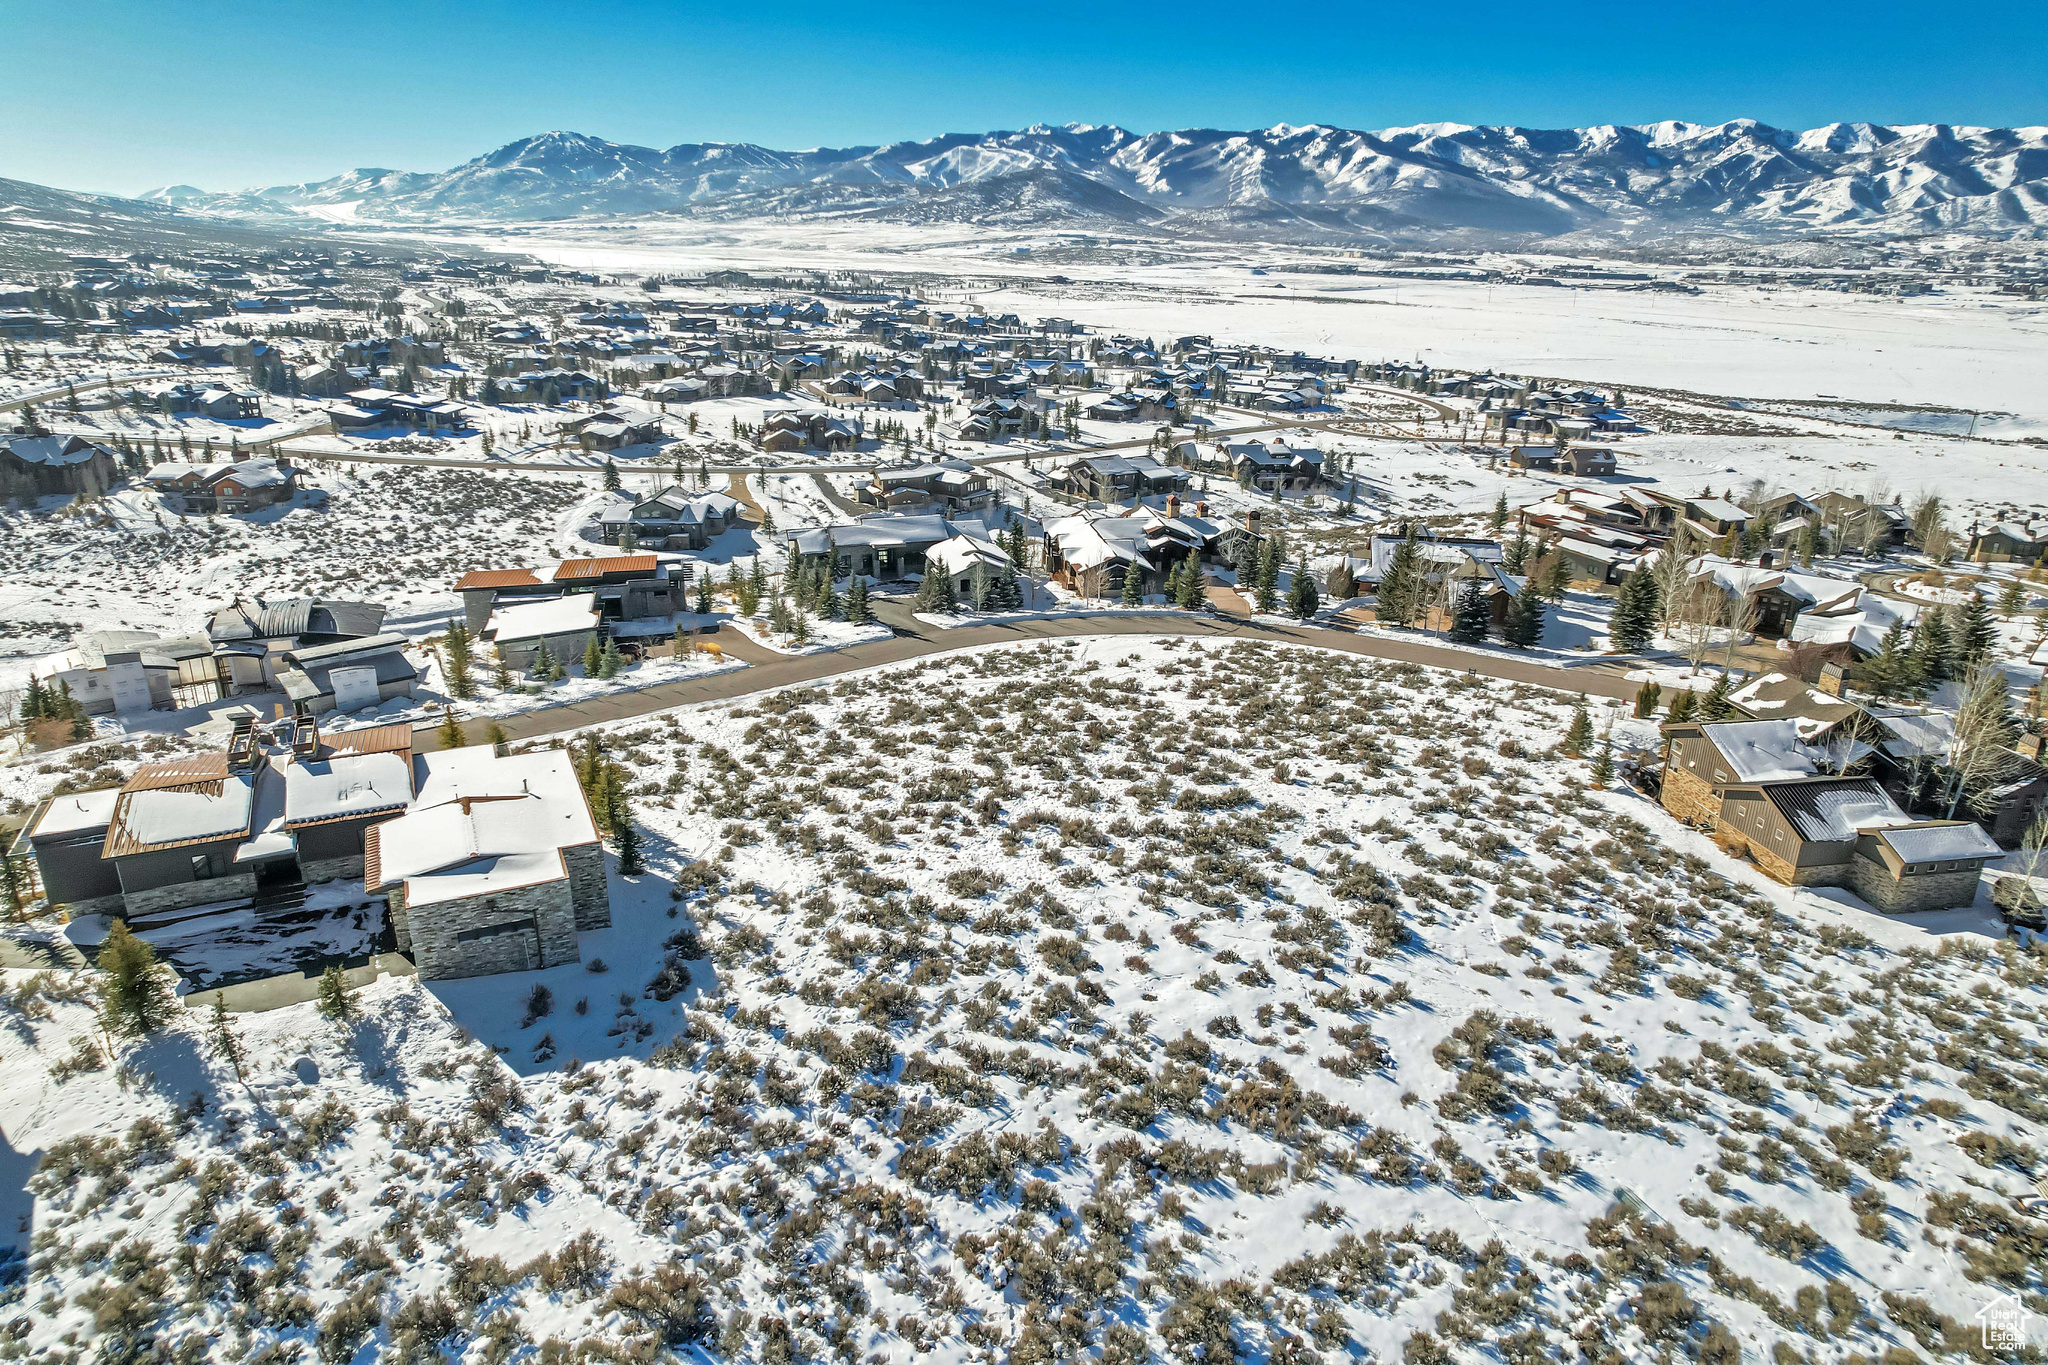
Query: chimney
[(1172, 505), (306, 738), (1251, 521), (2029, 746), (1201, 509)]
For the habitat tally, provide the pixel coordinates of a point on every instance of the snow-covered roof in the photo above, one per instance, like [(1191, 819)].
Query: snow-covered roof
[(960, 554), (343, 785), (1761, 750), (533, 619), (1832, 811), (482, 822), (76, 813), (1938, 840), (196, 812), (1717, 508)]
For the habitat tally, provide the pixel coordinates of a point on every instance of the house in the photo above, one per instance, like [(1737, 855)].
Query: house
[(126, 672), (885, 546), (1587, 461), (1094, 556), (335, 788), (672, 519), (1272, 467), (1121, 478), (251, 636), (46, 466), (1847, 832), (613, 429), (1703, 759), (228, 486), (204, 828), (964, 558), (1437, 557), (520, 627), (2008, 542), (791, 429), (346, 675), (1857, 523), (494, 867), (948, 487)]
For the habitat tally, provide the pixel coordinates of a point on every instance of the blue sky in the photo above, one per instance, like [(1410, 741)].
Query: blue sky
[(123, 95)]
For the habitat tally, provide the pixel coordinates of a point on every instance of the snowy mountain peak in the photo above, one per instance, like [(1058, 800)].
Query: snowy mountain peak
[(1417, 180)]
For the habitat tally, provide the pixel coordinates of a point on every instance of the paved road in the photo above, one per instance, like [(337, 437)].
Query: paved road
[(914, 639), (84, 386)]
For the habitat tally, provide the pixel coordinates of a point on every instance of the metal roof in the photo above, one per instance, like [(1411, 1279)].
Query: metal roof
[(497, 578), (572, 569)]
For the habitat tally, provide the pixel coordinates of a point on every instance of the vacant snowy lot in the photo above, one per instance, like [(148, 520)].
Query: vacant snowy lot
[(1103, 999)]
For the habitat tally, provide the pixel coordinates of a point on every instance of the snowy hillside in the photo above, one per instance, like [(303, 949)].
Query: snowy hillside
[(1735, 175), (1084, 1002)]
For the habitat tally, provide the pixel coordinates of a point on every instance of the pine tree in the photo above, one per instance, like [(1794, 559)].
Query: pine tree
[(494, 734), (1976, 633), (1557, 578), (1581, 732), (1343, 583), (1603, 766), (456, 647), (1647, 697), (450, 731), (1684, 707), (1134, 585), (1525, 617), (800, 627), (1808, 545), (135, 992), (1894, 671), (857, 601), (543, 666), (1400, 598), (1715, 705), (593, 656), (1933, 645), (611, 477), (629, 539), (227, 1043), (610, 661), (1193, 591), (1634, 623), (1302, 599), (1474, 617), (2011, 598), (704, 603), (1516, 556), (1500, 511), (337, 996)]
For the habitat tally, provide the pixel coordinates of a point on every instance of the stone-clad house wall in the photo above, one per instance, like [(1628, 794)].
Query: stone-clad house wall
[(587, 887), (517, 930), (1874, 882), (1690, 797)]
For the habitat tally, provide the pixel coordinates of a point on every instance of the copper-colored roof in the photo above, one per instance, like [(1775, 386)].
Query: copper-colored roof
[(497, 578), (179, 772), (383, 739), (373, 860), (122, 840), (598, 568)]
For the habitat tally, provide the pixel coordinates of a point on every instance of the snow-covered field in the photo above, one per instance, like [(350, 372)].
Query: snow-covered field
[(1089, 1000)]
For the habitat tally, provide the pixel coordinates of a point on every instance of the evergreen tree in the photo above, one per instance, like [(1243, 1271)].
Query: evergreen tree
[(857, 601), (593, 655), (1684, 706), (611, 476), (1975, 632), (629, 540), (610, 661), (1401, 592), (1516, 556), (543, 663), (1192, 592), (450, 731), (1557, 576), (1894, 671), (1647, 697), (494, 734), (1808, 544), (1634, 623), (456, 649), (2011, 598), (227, 1042), (337, 996), (1134, 585), (1474, 617), (1933, 646), (703, 603), (1580, 734), (1500, 511), (1603, 766), (1302, 599), (757, 578), (1009, 592), (1715, 705), (1525, 617), (136, 998)]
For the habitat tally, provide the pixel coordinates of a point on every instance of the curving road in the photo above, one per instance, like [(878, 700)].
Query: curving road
[(914, 639)]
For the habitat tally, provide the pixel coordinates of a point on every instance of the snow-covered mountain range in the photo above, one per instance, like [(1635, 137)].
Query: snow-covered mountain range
[(1737, 176)]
